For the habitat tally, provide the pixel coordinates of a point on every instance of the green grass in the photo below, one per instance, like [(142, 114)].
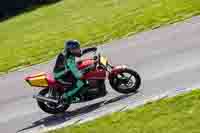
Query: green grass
[(38, 36), (173, 115)]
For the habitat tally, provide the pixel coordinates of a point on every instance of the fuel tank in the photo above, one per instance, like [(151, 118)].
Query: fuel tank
[(97, 74), (85, 63)]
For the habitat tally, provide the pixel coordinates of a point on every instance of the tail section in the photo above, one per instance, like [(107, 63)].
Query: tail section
[(38, 80)]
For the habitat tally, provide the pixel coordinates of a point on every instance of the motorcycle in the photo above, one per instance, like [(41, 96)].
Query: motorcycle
[(121, 78)]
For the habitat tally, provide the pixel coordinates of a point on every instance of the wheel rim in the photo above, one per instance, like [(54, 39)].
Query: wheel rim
[(126, 81)]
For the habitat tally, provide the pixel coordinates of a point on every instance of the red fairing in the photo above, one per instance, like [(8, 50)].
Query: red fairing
[(97, 74), (85, 63)]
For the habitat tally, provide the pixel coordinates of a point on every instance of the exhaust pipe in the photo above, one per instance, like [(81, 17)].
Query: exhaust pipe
[(45, 99)]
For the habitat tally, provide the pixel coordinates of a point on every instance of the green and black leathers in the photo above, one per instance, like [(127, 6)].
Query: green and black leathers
[(72, 66), (60, 71), (65, 63), (63, 66)]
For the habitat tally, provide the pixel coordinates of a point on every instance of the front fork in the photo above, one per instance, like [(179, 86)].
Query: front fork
[(113, 74)]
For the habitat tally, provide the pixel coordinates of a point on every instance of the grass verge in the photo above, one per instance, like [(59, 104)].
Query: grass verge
[(38, 36), (179, 114)]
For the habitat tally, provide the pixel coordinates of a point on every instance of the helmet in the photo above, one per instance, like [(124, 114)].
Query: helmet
[(72, 44), (72, 47)]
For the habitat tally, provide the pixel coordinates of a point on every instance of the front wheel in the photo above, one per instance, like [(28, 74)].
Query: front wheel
[(51, 108), (126, 81)]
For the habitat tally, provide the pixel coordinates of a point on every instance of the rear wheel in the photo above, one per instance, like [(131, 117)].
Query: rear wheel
[(51, 108), (127, 81)]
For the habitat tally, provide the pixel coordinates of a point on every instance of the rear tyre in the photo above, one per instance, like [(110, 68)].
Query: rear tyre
[(50, 107), (130, 87)]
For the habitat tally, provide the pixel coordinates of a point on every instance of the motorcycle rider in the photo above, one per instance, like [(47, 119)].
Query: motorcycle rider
[(66, 64)]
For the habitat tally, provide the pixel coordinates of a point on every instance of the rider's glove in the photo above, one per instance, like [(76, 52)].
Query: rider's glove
[(87, 69)]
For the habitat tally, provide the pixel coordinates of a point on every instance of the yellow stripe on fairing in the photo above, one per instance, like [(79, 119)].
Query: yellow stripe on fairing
[(39, 81)]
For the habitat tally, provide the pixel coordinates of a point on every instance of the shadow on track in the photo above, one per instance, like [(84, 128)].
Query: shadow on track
[(54, 120)]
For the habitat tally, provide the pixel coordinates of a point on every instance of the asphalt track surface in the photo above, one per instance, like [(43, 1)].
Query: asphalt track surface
[(166, 58)]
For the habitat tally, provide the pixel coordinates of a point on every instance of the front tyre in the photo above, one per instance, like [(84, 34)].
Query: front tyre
[(51, 108), (126, 81)]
